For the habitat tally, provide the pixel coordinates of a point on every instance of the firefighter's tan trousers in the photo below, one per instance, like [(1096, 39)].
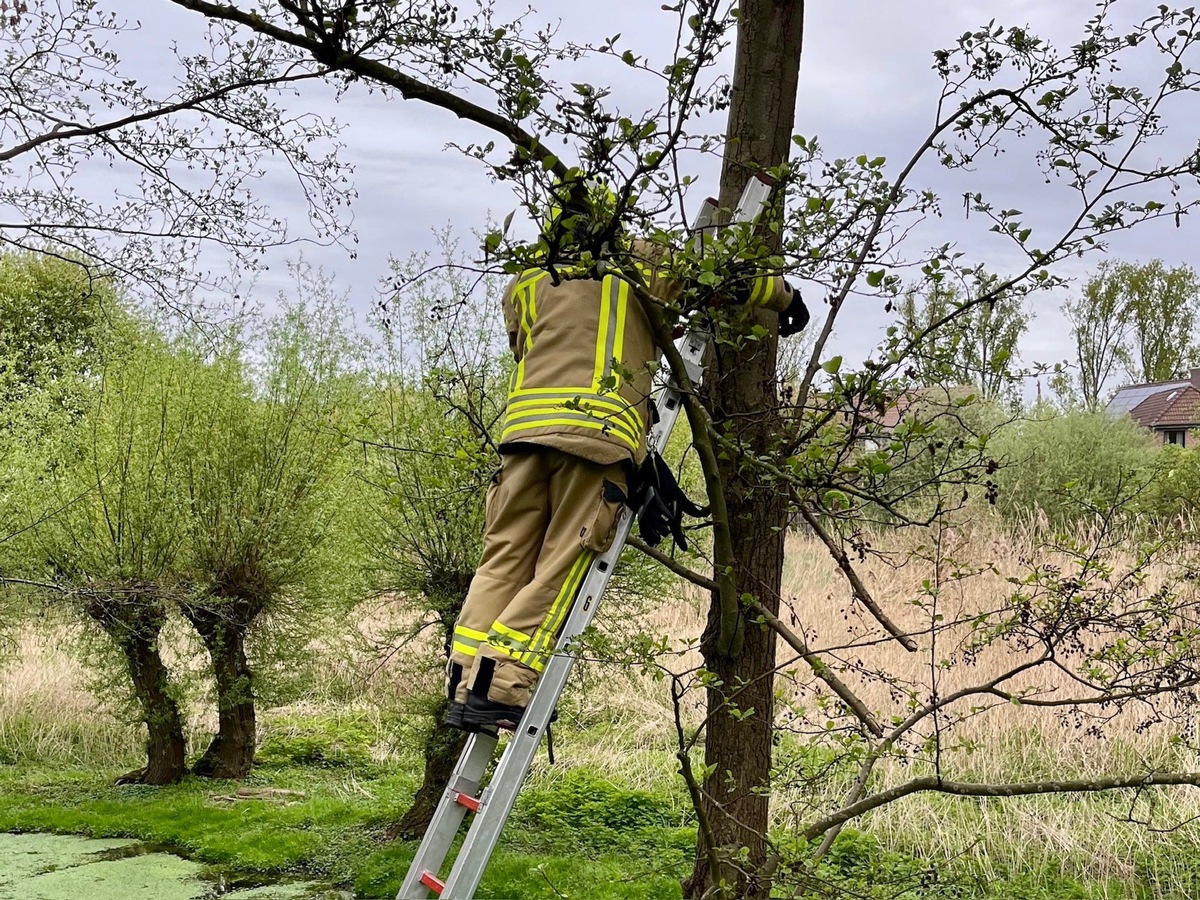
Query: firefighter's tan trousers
[(548, 514)]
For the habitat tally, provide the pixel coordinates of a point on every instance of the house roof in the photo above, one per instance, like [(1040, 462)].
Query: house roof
[(939, 398), (1175, 407), (1128, 398)]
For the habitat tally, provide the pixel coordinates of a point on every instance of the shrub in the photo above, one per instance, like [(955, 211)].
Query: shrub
[(1060, 465)]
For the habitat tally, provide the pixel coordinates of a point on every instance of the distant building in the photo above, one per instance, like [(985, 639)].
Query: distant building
[(1171, 409)]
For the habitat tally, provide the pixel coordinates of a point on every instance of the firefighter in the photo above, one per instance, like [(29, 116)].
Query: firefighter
[(575, 428)]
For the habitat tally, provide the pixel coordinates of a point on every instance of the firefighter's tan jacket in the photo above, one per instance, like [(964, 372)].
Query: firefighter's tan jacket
[(585, 351)]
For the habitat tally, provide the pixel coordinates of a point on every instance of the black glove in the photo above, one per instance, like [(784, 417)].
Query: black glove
[(661, 502), (793, 319), (656, 521)]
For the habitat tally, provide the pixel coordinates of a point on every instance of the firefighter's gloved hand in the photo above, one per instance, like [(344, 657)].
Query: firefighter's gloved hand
[(657, 519), (793, 319)]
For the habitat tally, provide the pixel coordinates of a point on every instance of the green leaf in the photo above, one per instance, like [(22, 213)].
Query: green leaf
[(832, 365), (875, 279)]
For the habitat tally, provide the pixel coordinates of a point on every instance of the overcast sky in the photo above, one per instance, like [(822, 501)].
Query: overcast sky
[(865, 87)]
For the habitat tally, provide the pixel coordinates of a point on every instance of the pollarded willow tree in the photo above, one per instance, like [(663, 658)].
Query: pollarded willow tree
[(1084, 118)]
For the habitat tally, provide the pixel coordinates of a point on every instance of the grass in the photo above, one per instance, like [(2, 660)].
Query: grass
[(611, 820), (333, 828)]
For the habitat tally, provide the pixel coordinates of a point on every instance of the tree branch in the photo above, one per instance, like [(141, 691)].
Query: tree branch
[(59, 133), (409, 87), (856, 583), (819, 667), (674, 565), (970, 789)]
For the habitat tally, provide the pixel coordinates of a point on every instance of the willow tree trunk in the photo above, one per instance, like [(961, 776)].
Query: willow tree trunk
[(231, 752), (134, 625), (742, 396), (443, 746)]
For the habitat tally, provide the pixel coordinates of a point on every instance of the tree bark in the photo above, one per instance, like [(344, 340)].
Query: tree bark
[(134, 624), (230, 754), (443, 746), (742, 397)]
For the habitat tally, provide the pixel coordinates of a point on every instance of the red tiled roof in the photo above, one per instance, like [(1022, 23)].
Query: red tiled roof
[(1184, 410), (1176, 407)]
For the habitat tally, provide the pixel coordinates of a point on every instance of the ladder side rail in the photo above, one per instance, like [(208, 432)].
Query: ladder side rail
[(431, 854)]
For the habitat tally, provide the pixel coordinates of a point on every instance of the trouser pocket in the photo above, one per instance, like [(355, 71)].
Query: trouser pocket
[(601, 527)]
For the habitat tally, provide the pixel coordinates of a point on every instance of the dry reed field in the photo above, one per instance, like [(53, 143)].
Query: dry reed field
[(618, 719)]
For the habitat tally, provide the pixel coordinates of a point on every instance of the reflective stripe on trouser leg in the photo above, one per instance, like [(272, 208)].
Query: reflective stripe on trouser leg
[(534, 650), (522, 638)]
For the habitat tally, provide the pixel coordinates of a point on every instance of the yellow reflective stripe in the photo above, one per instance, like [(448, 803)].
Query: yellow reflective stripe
[(530, 276), (500, 628), (538, 417), (761, 290), (471, 633), (522, 657), (613, 400), (618, 342), (519, 303), (466, 649), (512, 431), (578, 403), (531, 293), (525, 303), (603, 331), (543, 638)]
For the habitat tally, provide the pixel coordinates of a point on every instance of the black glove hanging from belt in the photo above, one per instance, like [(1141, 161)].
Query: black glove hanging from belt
[(793, 319), (661, 502)]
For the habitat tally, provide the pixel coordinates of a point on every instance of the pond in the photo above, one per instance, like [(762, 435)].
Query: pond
[(56, 867)]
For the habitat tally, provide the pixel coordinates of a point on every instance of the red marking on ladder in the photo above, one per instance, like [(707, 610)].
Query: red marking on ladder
[(471, 803), (432, 882)]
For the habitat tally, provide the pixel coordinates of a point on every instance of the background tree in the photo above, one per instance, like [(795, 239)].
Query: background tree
[(1162, 305), (263, 482), (1100, 325), (184, 156), (977, 346), (428, 456), (56, 329), (104, 530)]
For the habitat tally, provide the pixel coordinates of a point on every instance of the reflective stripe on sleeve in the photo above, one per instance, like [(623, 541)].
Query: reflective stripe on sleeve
[(761, 290)]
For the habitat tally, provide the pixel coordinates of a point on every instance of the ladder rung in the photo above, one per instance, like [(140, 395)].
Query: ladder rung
[(432, 882), (471, 803)]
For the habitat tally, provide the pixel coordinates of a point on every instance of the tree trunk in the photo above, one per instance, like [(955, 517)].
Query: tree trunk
[(134, 626), (743, 398), (443, 746), (231, 752)]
